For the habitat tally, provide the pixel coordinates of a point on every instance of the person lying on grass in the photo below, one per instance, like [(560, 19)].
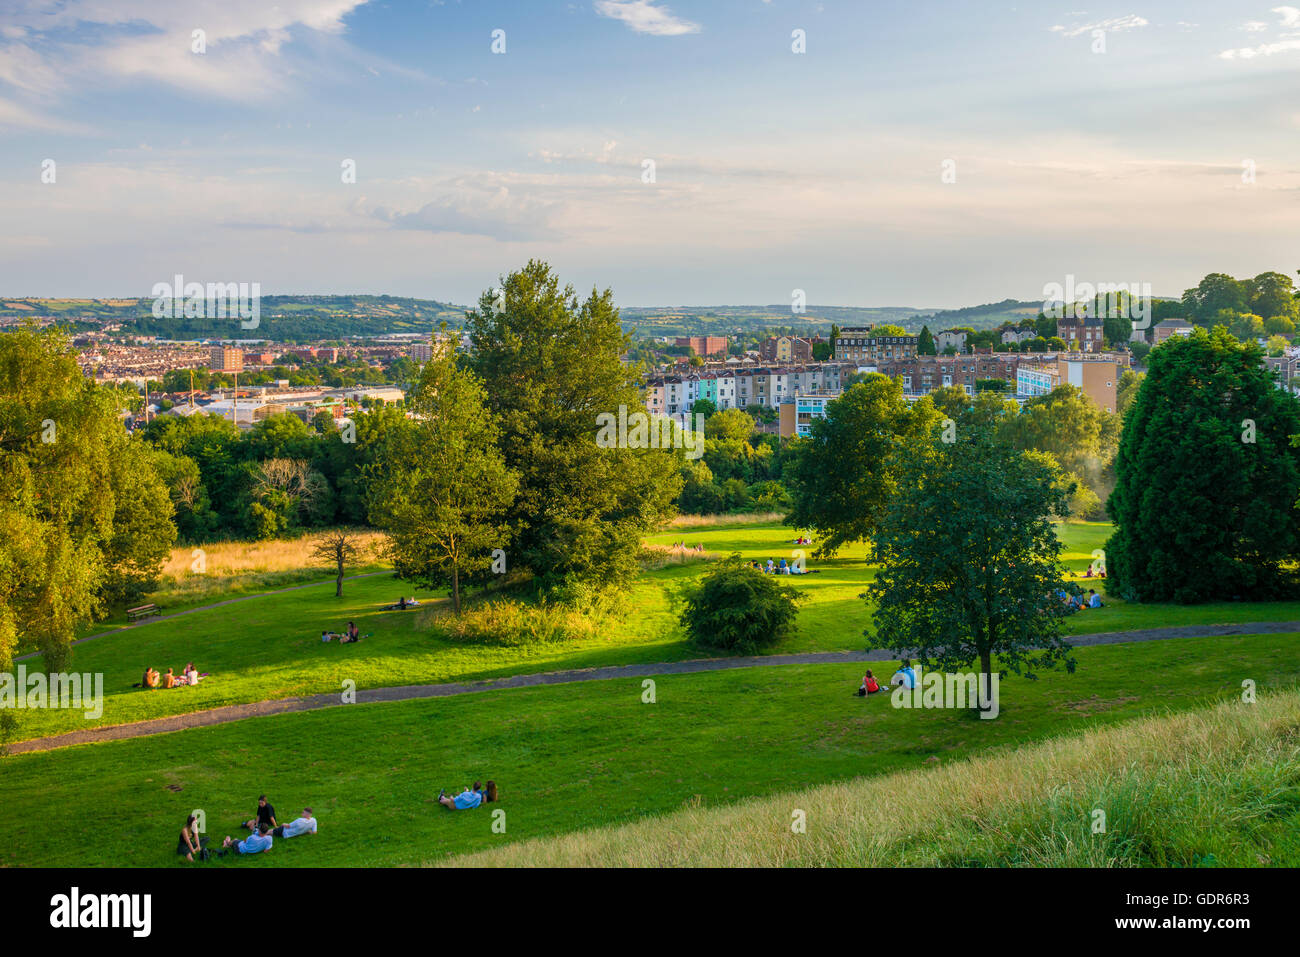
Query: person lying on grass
[(190, 843), (265, 815), (253, 844), (303, 824), (470, 798)]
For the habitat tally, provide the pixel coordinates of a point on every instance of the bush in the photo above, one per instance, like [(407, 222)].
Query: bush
[(739, 608)]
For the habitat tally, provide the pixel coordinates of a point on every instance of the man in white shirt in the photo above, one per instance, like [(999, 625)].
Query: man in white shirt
[(303, 824)]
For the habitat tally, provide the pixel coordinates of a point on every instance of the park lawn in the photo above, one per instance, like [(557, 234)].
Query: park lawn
[(567, 757), (269, 647)]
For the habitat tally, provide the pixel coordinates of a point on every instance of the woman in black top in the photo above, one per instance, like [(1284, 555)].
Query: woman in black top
[(188, 845)]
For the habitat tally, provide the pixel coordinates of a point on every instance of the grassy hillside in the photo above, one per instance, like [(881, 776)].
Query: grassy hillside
[(1219, 787), (576, 757), (269, 646)]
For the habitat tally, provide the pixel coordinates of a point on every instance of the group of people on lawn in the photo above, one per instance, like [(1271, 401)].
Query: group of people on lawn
[(1080, 602), (189, 677), (263, 825), (778, 568), (352, 634), (905, 676)]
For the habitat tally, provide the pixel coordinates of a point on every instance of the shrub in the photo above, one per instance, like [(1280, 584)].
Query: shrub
[(739, 608)]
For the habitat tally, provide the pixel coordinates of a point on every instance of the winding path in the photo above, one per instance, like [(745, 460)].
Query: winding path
[(238, 712)]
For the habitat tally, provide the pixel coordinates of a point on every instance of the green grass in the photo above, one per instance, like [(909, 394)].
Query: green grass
[(1209, 788), (567, 758), (269, 647)]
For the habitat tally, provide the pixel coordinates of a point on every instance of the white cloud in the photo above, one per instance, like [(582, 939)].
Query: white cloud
[(1289, 18), (1113, 25), (644, 16)]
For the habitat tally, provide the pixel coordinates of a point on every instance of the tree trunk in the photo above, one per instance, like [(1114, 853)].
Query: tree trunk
[(455, 589), (338, 588), (984, 690)]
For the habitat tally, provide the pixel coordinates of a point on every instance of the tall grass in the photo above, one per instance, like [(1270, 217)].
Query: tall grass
[(725, 519), (197, 572), (1181, 790)]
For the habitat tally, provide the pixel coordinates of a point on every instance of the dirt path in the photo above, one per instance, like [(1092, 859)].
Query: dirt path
[(238, 712)]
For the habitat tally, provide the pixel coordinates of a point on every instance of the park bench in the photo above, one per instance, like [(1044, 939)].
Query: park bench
[(141, 611)]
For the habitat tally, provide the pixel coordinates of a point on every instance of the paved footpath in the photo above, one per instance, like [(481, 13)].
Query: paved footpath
[(200, 719)]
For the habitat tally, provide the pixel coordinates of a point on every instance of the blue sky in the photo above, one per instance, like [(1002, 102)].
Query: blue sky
[(1103, 142)]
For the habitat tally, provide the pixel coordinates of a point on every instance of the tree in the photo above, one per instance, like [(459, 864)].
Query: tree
[(925, 347), (61, 502), (1271, 294), (841, 478), (821, 351), (704, 407), (1206, 478), (1216, 292), (338, 548), (1127, 389), (552, 370), (888, 329), (739, 608), (443, 488), (969, 561), (1247, 326)]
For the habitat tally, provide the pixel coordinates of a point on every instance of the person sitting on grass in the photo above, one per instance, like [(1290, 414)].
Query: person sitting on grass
[(904, 676), (169, 679), (253, 844), (150, 679), (303, 824), (191, 675), (869, 685), (1094, 600), (190, 843), (489, 792), (351, 635), (265, 815), (466, 800)]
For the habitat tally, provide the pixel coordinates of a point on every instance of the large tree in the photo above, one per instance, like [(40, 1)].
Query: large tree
[(551, 366), (969, 558), (1205, 478), (74, 491), (842, 476), (442, 486)]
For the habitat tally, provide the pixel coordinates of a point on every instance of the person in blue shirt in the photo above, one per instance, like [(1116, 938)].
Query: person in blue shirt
[(253, 844), (467, 800), (1094, 600), (905, 676)]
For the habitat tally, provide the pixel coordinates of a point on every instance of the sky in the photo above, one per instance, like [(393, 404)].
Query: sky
[(932, 154)]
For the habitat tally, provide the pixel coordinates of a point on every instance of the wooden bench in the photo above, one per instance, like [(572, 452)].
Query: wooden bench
[(141, 611)]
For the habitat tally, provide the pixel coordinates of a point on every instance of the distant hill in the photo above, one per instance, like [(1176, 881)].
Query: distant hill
[(725, 320), (283, 318), (304, 318), (988, 316)]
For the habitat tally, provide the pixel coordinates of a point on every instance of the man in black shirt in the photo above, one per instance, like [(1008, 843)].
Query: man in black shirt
[(265, 815)]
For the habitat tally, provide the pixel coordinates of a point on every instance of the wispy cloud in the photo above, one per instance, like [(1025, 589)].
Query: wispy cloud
[(1288, 20), (1113, 25), (645, 16)]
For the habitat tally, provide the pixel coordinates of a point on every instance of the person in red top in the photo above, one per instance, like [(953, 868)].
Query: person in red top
[(869, 685)]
